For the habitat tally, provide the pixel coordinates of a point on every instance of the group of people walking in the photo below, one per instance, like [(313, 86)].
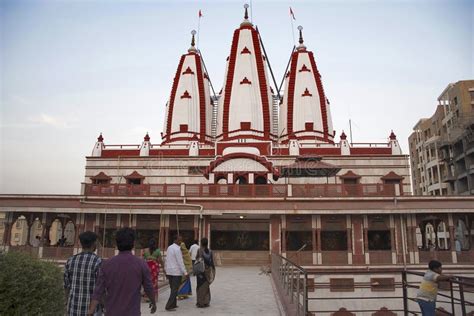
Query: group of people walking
[(179, 267), (94, 286)]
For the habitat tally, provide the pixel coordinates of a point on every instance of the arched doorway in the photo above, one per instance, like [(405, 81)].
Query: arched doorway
[(241, 180)]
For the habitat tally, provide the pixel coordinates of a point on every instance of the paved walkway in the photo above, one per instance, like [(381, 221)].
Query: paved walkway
[(235, 291)]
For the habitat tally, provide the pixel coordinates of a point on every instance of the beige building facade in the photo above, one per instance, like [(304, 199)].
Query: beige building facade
[(442, 146)]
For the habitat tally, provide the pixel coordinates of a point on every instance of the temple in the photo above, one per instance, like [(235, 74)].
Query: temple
[(258, 171)]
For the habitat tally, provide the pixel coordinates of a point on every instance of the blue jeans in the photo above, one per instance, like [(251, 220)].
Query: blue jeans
[(428, 308)]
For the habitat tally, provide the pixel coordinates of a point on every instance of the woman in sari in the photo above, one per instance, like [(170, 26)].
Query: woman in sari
[(205, 278), (152, 257), (184, 290)]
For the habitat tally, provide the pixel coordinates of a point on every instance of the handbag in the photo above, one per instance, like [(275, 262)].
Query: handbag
[(198, 266)]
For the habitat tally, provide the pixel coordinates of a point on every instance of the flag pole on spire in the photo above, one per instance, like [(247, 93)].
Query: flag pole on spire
[(292, 18), (199, 26)]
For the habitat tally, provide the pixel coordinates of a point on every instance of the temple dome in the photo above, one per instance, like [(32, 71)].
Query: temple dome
[(189, 109), (245, 106), (305, 114)]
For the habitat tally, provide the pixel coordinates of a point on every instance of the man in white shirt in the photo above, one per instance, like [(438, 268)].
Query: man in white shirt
[(175, 269), (194, 250)]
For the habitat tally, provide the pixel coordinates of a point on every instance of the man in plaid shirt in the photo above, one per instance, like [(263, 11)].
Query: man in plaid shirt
[(80, 274)]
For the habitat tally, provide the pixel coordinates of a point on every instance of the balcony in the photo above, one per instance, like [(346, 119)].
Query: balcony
[(242, 190)]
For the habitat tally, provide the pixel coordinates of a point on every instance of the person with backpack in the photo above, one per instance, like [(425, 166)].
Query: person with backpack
[(206, 277)]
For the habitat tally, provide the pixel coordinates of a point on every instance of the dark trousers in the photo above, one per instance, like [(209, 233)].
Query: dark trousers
[(174, 281), (427, 308)]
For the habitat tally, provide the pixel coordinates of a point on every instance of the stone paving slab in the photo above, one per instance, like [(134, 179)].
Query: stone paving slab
[(235, 291)]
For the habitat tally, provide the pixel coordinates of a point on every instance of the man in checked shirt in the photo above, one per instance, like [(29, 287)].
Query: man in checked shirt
[(80, 274)]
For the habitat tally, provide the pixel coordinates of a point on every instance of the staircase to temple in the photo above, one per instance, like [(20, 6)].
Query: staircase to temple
[(246, 258)]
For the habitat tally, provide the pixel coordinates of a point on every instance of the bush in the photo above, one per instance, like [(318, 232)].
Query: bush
[(29, 286)]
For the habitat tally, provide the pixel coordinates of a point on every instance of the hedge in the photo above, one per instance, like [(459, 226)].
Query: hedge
[(29, 286)]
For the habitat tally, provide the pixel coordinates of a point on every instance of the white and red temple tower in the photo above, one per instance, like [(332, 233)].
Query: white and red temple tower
[(305, 116), (189, 109), (245, 105)]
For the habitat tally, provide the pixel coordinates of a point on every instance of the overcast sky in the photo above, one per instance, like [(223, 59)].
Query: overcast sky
[(72, 69)]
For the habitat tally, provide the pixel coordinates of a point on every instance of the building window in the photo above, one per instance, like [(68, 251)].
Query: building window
[(135, 178), (299, 240), (379, 240), (334, 240), (101, 178), (379, 235), (299, 235), (147, 228), (134, 181), (334, 234), (341, 285), (239, 240)]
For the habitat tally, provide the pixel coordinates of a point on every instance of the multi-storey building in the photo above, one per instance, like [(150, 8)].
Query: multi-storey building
[(442, 147)]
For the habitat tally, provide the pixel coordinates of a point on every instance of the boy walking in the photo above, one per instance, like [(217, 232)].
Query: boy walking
[(80, 274)]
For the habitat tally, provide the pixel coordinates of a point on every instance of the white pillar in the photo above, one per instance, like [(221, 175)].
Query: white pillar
[(251, 178)]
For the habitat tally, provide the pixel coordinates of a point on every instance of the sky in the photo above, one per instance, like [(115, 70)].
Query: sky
[(70, 70)]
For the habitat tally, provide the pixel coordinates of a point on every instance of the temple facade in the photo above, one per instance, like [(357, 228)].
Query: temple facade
[(257, 171)]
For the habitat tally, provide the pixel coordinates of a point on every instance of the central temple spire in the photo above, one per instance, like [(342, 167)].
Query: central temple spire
[(301, 41), (193, 43), (245, 105), (246, 17)]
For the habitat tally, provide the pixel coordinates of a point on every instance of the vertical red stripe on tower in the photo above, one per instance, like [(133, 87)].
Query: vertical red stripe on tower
[(202, 99), (291, 93), (173, 95), (263, 84), (228, 83)]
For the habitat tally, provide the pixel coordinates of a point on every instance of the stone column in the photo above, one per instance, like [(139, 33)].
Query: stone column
[(349, 239), (452, 236), (275, 234), (319, 255), (196, 226), (251, 179), (79, 226), (164, 229), (358, 241), (393, 239), (411, 236), (366, 238), (314, 239), (283, 235), (8, 230), (43, 235)]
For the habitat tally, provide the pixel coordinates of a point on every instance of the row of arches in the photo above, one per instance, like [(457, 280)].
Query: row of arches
[(61, 232), (434, 234)]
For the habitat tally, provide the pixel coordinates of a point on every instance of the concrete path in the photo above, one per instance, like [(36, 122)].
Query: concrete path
[(235, 291)]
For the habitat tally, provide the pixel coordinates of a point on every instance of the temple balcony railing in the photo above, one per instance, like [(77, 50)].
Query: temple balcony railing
[(243, 190)]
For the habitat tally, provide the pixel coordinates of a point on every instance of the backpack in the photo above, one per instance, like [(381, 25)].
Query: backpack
[(199, 266)]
